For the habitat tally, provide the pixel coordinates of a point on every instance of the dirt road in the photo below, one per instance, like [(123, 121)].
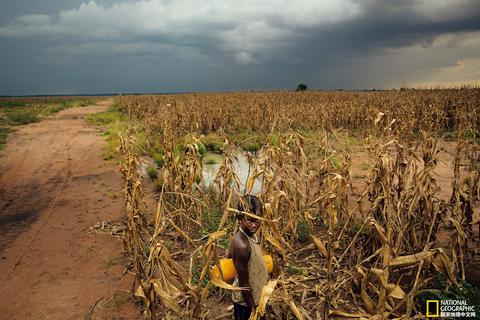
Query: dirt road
[(54, 185)]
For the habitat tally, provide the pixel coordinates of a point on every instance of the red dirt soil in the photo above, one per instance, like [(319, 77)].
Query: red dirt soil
[(54, 186)]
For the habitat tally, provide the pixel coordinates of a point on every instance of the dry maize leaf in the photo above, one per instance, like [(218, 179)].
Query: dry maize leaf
[(380, 231), (215, 280), (369, 304), (139, 293), (383, 316), (403, 261), (216, 235), (395, 292), (180, 231), (252, 215), (379, 117), (170, 264), (265, 295), (167, 299), (380, 275), (204, 294), (275, 243), (320, 246), (251, 181), (343, 314), (296, 312), (443, 264)]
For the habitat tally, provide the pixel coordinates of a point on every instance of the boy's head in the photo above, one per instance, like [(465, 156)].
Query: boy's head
[(250, 204)]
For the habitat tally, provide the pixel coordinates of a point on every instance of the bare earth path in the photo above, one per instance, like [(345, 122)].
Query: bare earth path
[(54, 185)]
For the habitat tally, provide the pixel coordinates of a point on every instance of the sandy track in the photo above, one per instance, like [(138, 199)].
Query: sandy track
[(54, 185)]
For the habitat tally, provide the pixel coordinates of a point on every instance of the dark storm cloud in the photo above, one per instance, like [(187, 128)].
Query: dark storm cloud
[(106, 46), (393, 24)]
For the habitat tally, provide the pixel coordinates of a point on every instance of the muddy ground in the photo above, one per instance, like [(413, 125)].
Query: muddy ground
[(54, 185)]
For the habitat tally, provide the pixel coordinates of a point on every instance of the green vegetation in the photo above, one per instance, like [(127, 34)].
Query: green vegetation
[(249, 141), (294, 270), (275, 140), (211, 220), (19, 117), (336, 163), (213, 146), (9, 104), (114, 120), (3, 136), (158, 157), (210, 159), (152, 172), (303, 233)]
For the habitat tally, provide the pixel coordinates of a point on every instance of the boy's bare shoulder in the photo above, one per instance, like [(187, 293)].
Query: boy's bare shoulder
[(240, 244)]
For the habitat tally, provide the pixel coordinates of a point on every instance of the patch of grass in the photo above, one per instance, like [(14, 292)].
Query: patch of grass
[(251, 144), (19, 117), (249, 141), (83, 103), (294, 270), (57, 107), (180, 148), (152, 172), (196, 273), (114, 120), (211, 159), (211, 221), (201, 148), (110, 116), (4, 131), (303, 233), (275, 140), (213, 147), (9, 104), (213, 143), (158, 157)]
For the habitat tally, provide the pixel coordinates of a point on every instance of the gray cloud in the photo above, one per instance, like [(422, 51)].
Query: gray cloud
[(269, 44)]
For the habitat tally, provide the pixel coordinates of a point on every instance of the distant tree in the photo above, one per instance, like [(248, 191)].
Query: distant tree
[(302, 87)]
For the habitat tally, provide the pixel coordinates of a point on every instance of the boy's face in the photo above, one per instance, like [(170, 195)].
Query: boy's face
[(250, 225)]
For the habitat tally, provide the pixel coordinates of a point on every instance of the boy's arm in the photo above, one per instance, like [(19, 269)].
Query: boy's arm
[(240, 258)]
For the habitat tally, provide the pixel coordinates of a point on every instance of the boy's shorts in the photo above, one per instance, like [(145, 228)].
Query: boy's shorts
[(241, 312)]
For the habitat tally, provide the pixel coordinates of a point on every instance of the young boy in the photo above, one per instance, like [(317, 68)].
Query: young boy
[(248, 259)]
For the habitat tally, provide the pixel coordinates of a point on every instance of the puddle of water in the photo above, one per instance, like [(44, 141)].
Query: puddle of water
[(145, 162), (211, 164)]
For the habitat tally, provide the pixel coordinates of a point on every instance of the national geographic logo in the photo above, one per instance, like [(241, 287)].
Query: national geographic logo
[(449, 309), (433, 309)]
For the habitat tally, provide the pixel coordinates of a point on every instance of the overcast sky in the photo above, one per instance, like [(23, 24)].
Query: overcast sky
[(75, 46)]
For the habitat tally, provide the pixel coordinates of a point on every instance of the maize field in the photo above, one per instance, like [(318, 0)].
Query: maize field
[(344, 246)]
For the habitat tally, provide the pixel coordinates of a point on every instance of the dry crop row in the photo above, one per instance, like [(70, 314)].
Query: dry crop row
[(331, 260), (434, 111)]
